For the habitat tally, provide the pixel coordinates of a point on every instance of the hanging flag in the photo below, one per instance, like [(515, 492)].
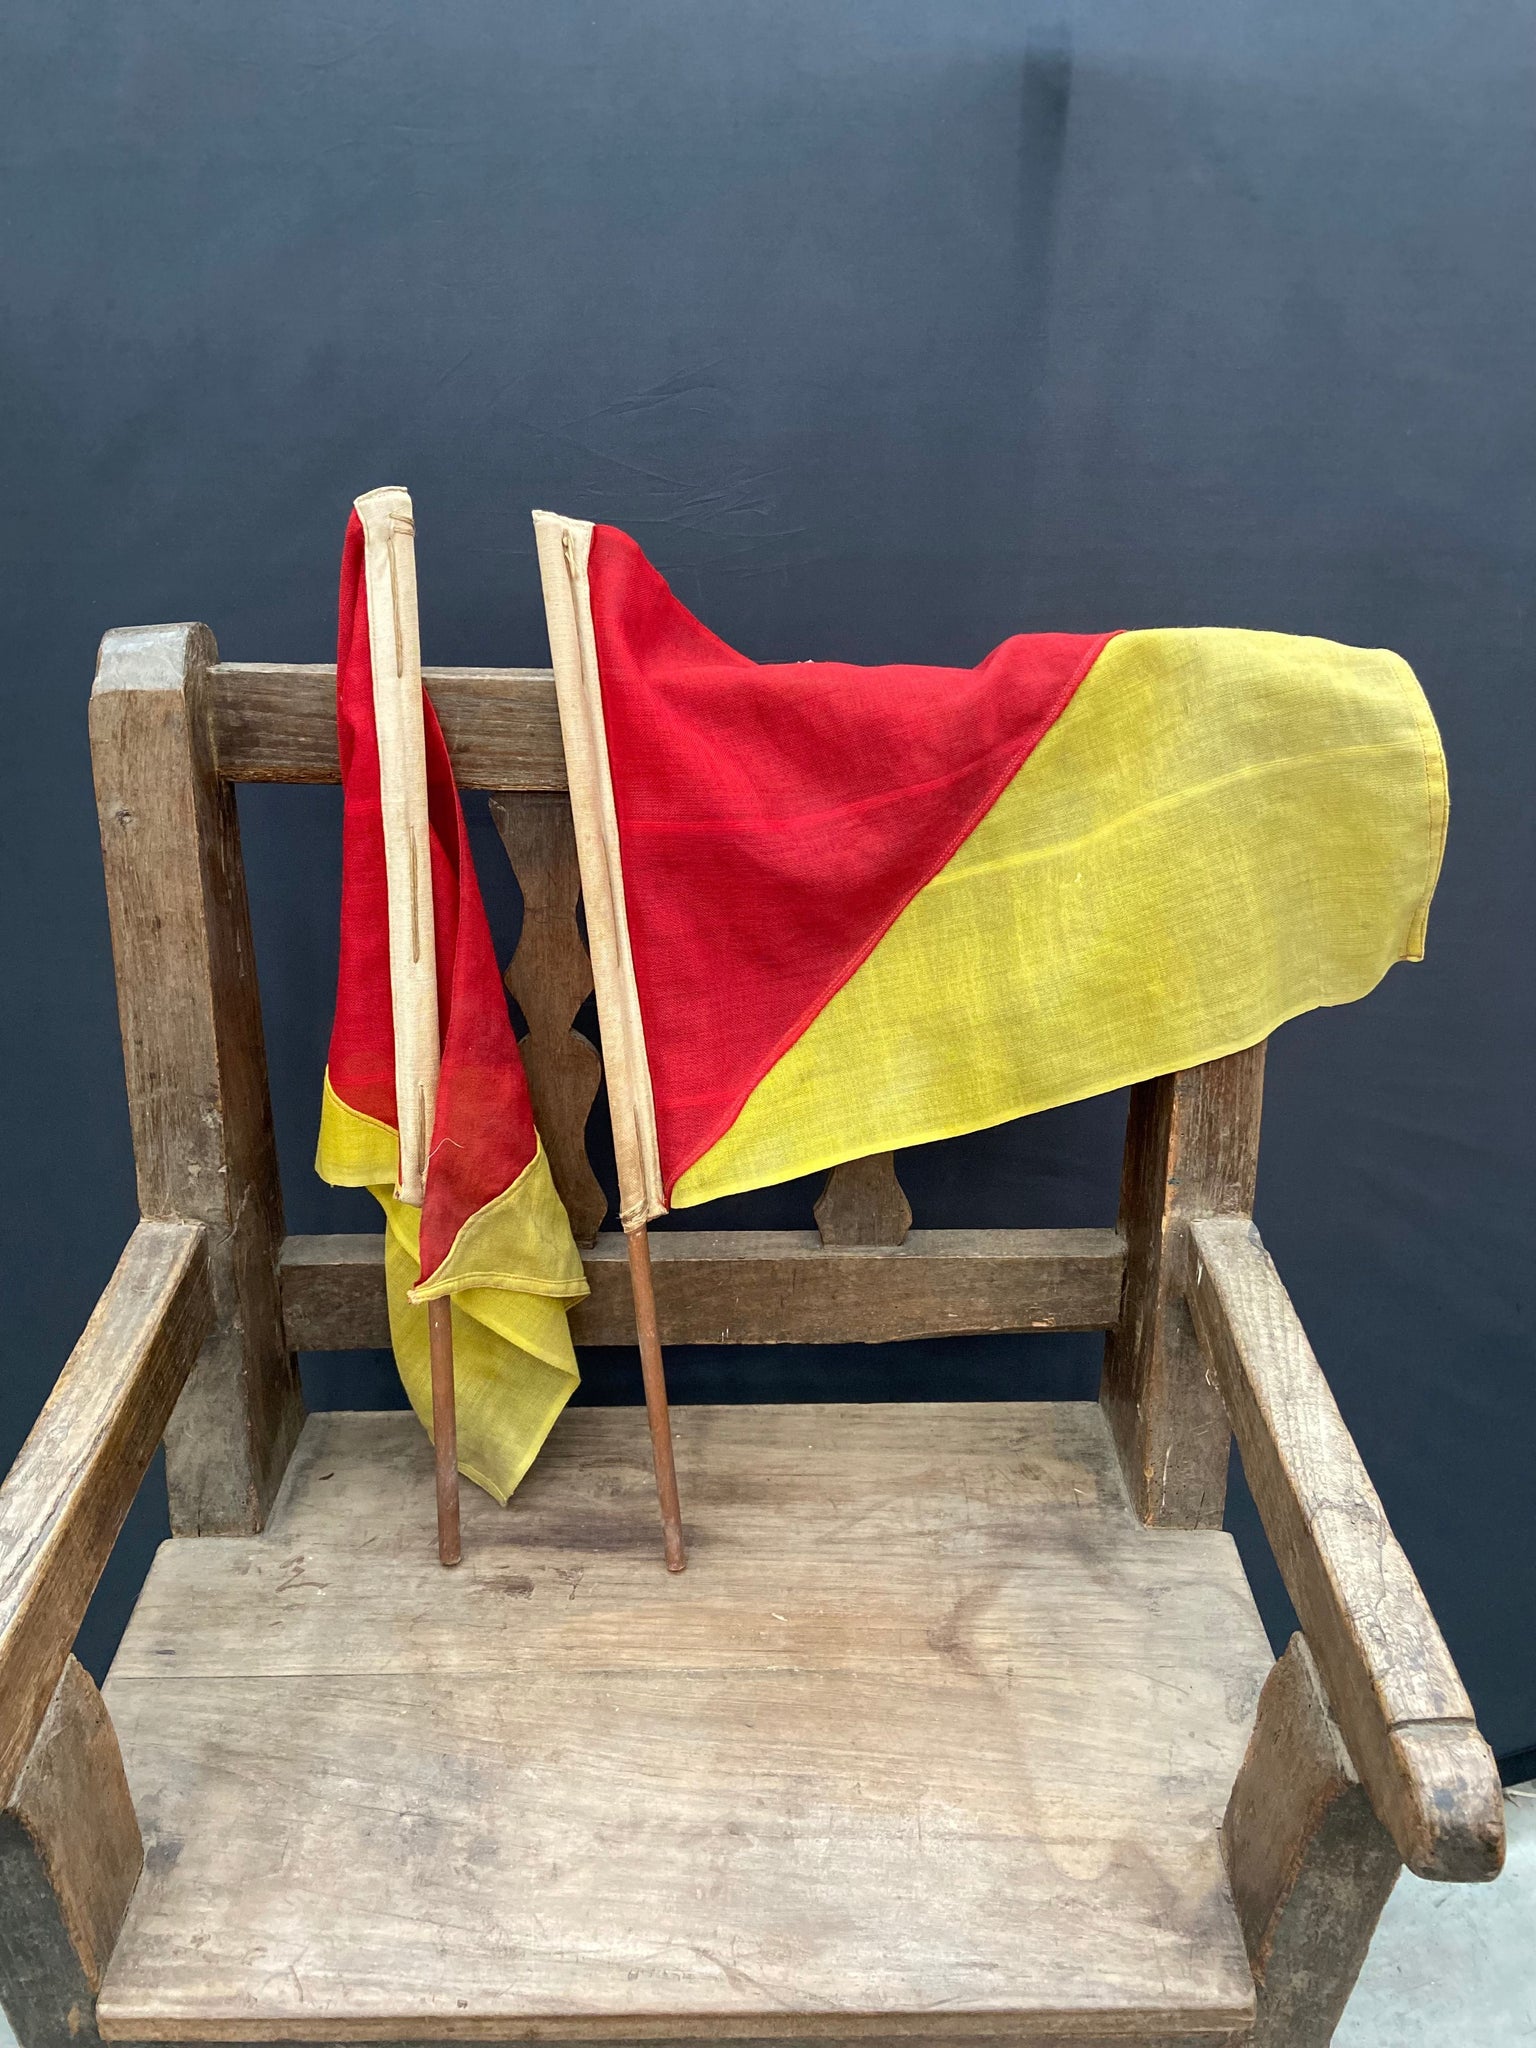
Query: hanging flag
[(490, 1232), (842, 910)]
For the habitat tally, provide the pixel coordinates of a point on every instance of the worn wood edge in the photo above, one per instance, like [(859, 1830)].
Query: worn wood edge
[(70, 1856), (1431, 1778), (1148, 2029), (752, 1287), (276, 722), (75, 1477), (1309, 1863)]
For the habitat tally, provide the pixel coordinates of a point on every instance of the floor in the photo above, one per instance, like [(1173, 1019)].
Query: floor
[(1455, 1965)]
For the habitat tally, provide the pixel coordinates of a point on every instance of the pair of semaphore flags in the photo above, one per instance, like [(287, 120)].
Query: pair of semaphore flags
[(842, 910)]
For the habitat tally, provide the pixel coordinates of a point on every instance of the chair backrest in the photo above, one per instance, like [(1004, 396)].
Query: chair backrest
[(173, 729)]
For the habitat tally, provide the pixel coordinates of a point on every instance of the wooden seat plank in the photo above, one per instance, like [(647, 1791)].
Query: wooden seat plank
[(932, 1739)]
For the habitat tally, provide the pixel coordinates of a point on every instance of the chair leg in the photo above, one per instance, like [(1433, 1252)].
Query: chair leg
[(1310, 1865), (70, 1855)]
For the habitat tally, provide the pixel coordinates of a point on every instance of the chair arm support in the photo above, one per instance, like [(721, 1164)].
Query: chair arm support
[(1394, 1690), (75, 1477)]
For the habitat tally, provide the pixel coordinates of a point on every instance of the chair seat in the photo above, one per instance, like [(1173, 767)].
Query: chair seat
[(931, 1739)]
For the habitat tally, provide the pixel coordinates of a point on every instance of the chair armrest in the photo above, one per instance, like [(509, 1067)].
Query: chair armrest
[(75, 1476), (1394, 1690)]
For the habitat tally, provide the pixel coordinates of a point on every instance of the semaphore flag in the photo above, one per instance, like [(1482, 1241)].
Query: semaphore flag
[(840, 910), (490, 1231)]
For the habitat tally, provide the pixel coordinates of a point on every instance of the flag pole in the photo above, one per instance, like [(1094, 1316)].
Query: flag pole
[(657, 1414), (563, 546), (445, 1429), (389, 569)]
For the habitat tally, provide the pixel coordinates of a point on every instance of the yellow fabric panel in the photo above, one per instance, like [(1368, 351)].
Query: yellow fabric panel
[(1222, 830), (512, 1273)]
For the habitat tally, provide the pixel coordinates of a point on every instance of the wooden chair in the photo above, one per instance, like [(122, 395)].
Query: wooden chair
[(961, 1722)]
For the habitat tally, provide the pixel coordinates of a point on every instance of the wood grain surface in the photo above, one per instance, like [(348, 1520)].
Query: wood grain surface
[(75, 1477), (1191, 1149), (931, 1739), (70, 1854), (1390, 1680), (862, 1202), (1311, 1865), (762, 1287), (276, 722), (194, 1057), (550, 976)]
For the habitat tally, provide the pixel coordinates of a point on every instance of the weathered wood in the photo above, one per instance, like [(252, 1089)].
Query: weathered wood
[(1191, 1149), (70, 1854), (938, 1482), (762, 1287), (1311, 1866), (863, 1203), (196, 1065), (445, 1428), (551, 977), (276, 722), (1389, 1676), (907, 1682), (74, 1478), (657, 1409)]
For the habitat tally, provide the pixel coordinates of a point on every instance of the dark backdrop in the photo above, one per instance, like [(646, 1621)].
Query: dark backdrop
[(888, 329)]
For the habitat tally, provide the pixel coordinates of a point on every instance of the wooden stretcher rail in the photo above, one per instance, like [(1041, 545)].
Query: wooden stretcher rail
[(276, 722), (75, 1477), (1390, 1680), (763, 1287)]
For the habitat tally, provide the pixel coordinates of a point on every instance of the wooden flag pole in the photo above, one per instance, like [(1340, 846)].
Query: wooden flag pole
[(445, 1429), (389, 571), (563, 550), (657, 1414)]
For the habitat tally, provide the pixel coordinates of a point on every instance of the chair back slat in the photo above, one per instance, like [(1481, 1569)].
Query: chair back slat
[(551, 977)]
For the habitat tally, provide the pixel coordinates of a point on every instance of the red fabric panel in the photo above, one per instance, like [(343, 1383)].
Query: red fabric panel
[(775, 819), (482, 1134)]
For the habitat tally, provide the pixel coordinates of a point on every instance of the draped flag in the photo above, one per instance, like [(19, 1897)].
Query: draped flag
[(840, 910), (490, 1232)]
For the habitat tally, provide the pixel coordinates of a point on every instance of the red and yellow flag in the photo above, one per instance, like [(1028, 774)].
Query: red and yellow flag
[(491, 1232), (843, 910)]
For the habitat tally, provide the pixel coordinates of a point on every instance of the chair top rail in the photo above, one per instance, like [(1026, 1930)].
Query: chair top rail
[(1391, 1682), (75, 1477), (276, 722)]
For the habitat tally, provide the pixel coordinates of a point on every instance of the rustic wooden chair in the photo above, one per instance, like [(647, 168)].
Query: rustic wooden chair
[(961, 1722)]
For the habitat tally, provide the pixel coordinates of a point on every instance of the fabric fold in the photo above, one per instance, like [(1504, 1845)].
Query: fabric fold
[(491, 1233)]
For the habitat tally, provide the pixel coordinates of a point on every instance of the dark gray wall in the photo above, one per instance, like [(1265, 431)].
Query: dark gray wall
[(889, 329)]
